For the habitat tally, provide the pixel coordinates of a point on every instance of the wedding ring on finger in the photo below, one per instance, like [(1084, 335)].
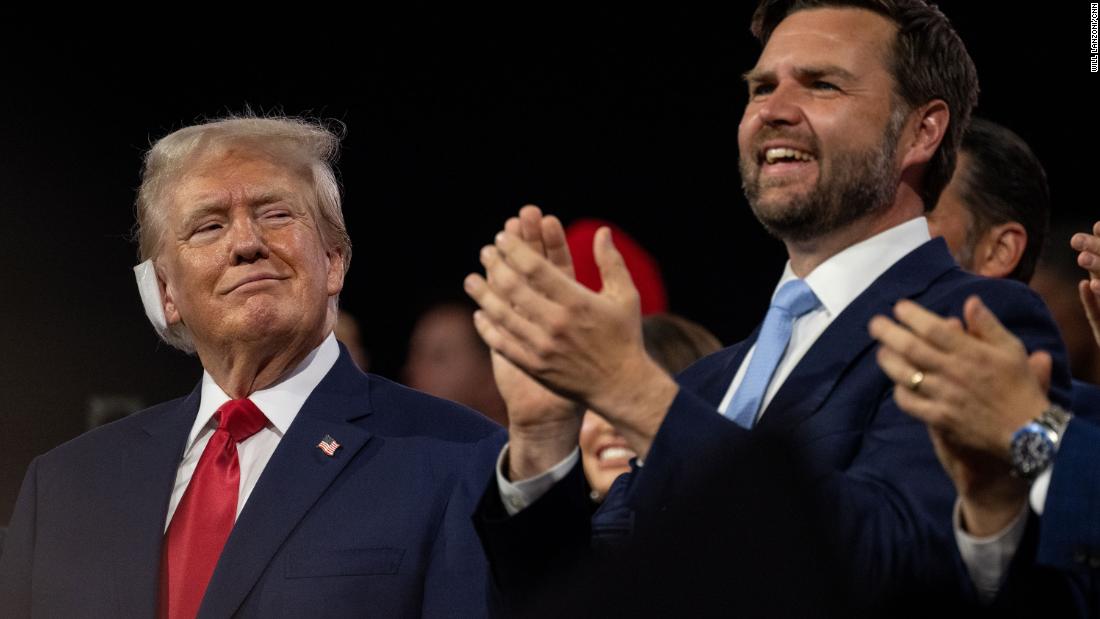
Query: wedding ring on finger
[(915, 380)]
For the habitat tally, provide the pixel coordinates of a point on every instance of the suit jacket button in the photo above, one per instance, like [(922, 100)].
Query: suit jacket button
[(1079, 556)]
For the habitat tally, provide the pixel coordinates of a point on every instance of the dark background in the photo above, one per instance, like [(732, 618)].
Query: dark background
[(453, 122)]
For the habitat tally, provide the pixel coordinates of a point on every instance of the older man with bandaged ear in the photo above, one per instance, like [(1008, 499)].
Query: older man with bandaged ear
[(288, 482)]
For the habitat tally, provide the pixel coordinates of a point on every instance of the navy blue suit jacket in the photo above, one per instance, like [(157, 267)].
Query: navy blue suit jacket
[(1070, 524), (1070, 533), (1058, 559), (1069, 529), (381, 528), (878, 489)]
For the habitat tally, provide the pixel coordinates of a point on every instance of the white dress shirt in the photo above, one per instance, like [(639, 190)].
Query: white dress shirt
[(280, 403), (836, 282)]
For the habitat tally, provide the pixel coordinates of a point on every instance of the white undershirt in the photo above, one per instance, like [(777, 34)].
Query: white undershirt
[(836, 282), (987, 558), (280, 403)]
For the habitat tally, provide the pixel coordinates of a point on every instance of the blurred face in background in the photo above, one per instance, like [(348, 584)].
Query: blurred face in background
[(675, 343), (447, 359), (604, 453)]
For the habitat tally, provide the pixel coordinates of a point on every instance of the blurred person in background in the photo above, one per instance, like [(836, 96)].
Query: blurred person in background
[(447, 359), (1056, 280), (994, 216), (644, 269), (675, 343), (350, 335), (995, 212)]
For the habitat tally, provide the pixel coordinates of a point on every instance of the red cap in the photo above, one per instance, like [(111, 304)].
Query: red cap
[(642, 266)]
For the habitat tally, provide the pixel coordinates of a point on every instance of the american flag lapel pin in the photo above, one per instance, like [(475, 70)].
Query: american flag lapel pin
[(328, 445)]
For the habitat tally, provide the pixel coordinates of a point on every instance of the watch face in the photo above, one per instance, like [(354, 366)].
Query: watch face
[(1032, 451)]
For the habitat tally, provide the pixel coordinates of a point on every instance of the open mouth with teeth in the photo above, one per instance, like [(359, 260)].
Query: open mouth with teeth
[(786, 155), (615, 455)]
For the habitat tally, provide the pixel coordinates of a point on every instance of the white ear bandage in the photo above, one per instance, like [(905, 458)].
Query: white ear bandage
[(150, 295)]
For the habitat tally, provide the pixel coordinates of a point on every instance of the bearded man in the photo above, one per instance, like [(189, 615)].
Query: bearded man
[(850, 133)]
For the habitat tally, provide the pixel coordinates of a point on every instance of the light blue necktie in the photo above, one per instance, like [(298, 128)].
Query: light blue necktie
[(792, 301)]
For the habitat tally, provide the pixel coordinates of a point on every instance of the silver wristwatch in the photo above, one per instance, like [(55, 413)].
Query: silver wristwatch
[(1034, 445)]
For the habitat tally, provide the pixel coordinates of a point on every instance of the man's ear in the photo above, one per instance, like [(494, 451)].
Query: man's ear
[(167, 297), (1000, 249), (335, 270), (920, 142)]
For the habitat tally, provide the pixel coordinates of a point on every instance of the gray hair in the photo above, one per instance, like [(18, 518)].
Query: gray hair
[(309, 145)]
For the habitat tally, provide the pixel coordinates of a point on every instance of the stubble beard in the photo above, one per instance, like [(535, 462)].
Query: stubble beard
[(858, 184)]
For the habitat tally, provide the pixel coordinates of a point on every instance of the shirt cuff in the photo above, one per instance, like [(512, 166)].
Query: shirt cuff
[(1038, 494), (517, 496), (987, 558)]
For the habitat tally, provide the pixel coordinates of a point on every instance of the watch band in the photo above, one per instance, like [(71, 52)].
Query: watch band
[(1056, 419), (1035, 443)]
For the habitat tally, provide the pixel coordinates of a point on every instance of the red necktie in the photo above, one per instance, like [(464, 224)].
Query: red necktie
[(206, 513)]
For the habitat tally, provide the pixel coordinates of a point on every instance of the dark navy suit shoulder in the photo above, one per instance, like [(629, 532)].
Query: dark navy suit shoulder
[(404, 411), (380, 526)]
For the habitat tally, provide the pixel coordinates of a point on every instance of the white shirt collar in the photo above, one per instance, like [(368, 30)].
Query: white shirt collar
[(280, 402), (844, 276)]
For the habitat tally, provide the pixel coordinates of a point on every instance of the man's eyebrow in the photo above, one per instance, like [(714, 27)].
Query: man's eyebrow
[(804, 73), (211, 205), (756, 75), (202, 210), (814, 72), (268, 196)]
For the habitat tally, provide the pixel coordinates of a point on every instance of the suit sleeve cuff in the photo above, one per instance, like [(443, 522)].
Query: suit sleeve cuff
[(517, 496), (987, 558)]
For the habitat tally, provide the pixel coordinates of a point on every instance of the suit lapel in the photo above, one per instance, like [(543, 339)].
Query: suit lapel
[(293, 480), (146, 474), (713, 386), (847, 339)]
